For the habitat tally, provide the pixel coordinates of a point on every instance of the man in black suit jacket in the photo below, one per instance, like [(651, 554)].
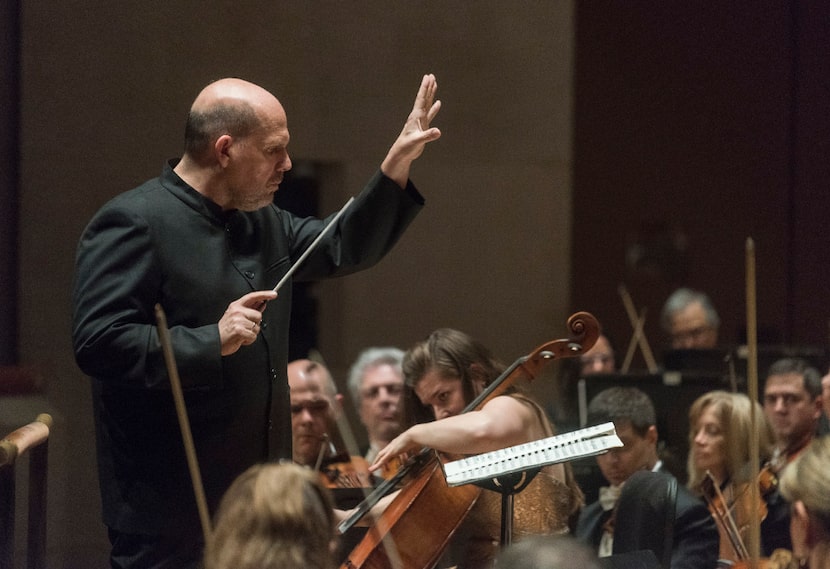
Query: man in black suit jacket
[(696, 542), (205, 241)]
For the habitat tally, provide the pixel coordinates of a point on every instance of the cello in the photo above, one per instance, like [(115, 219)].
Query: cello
[(415, 528)]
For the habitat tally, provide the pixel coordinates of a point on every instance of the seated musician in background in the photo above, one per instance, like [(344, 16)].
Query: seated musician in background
[(273, 516), (599, 359), (719, 441), (806, 485), (376, 387), (317, 442), (690, 320), (793, 405), (695, 543), (443, 374)]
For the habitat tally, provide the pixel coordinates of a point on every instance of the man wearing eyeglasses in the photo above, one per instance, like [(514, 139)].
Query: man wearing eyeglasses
[(376, 386), (690, 320), (793, 405), (316, 440)]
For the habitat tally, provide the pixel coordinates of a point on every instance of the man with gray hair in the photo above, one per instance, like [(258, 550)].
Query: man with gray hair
[(690, 320), (376, 386)]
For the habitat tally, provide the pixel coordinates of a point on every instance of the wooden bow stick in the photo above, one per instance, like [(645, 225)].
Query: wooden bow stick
[(184, 423), (752, 391), (638, 338)]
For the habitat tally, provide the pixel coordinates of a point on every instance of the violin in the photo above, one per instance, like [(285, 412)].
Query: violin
[(418, 523), (733, 517), (344, 471), (337, 468)]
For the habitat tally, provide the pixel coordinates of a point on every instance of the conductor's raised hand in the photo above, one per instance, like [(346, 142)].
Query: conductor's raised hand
[(416, 132), (240, 324)]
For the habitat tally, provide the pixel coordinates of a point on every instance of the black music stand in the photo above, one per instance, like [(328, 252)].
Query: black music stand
[(508, 485)]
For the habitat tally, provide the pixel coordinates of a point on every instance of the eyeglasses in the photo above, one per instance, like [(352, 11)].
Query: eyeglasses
[(691, 334), (373, 392), (316, 406)]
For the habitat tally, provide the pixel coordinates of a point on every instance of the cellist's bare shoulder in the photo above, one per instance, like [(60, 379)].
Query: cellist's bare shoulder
[(509, 421)]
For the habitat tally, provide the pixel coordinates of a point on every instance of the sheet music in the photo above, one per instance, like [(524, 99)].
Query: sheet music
[(560, 448)]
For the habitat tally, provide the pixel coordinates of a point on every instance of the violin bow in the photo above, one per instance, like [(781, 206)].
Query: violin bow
[(752, 387), (184, 423)]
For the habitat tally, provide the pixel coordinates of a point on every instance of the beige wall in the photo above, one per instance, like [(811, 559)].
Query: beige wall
[(106, 86)]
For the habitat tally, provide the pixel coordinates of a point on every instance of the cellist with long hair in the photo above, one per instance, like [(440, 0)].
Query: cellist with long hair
[(443, 374)]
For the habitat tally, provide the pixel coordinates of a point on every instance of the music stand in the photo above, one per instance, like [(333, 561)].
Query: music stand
[(510, 470), (508, 486)]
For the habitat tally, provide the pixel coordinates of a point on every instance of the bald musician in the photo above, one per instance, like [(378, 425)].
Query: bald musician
[(316, 407), (205, 241)]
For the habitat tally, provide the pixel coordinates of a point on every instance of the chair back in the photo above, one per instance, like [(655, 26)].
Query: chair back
[(645, 515)]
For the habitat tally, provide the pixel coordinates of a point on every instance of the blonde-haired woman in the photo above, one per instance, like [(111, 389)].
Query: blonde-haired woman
[(805, 483), (273, 516), (719, 441)]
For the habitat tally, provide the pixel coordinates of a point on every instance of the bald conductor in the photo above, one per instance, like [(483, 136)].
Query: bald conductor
[(205, 241)]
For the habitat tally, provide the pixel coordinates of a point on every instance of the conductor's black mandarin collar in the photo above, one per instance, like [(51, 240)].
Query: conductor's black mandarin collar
[(191, 197)]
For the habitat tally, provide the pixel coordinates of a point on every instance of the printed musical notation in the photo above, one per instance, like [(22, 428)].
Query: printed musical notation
[(560, 448)]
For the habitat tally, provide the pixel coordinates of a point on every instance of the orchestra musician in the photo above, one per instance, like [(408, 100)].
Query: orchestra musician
[(806, 485), (443, 374), (273, 516), (719, 441), (695, 537), (376, 387), (690, 320), (793, 404), (317, 442)]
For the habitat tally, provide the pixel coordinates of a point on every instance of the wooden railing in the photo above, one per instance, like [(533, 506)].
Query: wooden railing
[(32, 439)]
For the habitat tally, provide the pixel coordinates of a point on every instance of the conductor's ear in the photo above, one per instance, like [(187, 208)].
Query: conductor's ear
[(222, 149)]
